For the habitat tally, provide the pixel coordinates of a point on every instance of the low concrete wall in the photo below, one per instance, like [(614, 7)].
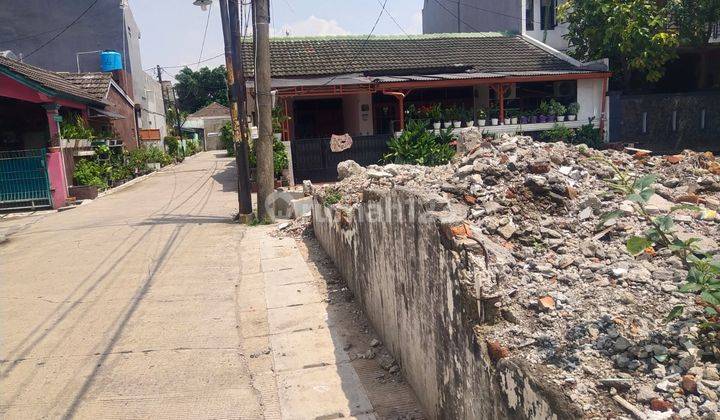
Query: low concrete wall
[(409, 274)]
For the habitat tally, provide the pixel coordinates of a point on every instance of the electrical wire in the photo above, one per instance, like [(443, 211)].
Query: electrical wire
[(493, 12), (202, 48), (358, 52), (393, 19), (64, 30)]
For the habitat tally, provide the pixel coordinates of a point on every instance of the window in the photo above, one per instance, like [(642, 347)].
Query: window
[(547, 14), (529, 15)]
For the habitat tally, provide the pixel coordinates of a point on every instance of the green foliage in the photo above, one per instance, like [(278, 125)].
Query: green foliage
[(588, 135), (172, 144), (77, 129), (559, 132), (693, 19), (175, 118), (192, 146), (280, 157), (573, 108), (544, 108), (435, 113), (228, 139), (418, 146), (197, 89), (481, 114), (633, 34), (332, 196), (556, 108), (703, 276), (92, 173)]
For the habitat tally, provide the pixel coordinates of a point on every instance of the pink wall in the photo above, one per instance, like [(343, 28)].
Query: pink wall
[(58, 185)]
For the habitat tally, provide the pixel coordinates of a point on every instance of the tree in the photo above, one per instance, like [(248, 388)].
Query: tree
[(173, 119), (197, 89), (694, 19), (634, 34)]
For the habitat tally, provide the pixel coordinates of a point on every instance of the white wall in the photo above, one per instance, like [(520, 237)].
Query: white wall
[(357, 121), (589, 97), (153, 112), (554, 37)]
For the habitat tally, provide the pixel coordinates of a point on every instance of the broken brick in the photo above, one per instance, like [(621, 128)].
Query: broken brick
[(546, 303), (539, 167), (688, 384), (658, 404), (497, 351), (470, 199), (674, 159)]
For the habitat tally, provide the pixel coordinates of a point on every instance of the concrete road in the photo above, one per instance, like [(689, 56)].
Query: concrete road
[(127, 307)]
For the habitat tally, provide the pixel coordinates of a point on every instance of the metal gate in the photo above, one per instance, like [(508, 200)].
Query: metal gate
[(24, 180), (312, 158)]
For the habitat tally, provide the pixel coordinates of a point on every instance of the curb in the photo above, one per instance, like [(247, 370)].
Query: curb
[(133, 182)]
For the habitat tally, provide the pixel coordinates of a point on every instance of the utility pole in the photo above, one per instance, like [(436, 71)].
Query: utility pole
[(264, 146), (162, 91)]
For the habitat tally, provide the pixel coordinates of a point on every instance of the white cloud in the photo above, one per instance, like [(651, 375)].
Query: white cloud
[(313, 26)]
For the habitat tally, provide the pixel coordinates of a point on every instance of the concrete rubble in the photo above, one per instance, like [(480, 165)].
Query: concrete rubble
[(565, 292)]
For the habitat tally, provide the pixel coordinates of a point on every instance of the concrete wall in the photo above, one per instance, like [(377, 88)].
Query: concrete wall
[(658, 111), (153, 112), (554, 37), (590, 98), (441, 16), (407, 270), (213, 127)]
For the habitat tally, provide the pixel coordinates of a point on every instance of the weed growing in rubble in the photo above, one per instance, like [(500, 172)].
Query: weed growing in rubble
[(703, 276), (332, 196)]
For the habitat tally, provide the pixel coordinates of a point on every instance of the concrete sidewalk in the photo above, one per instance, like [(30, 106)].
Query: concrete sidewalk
[(286, 330)]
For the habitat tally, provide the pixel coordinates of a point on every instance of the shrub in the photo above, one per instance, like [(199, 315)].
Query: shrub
[(76, 129), (418, 146), (588, 135), (557, 133), (280, 157), (90, 172), (227, 138), (172, 144)]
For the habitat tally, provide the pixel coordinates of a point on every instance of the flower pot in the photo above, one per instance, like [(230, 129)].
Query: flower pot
[(533, 119), (83, 192), (523, 120), (482, 123), (507, 121), (469, 123), (153, 166), (551, 118), (447, 124), (561, 118), (494, 121), (513, 120), (457, 124), (398, 134), (436, 125), (542, 119), (572, 117)]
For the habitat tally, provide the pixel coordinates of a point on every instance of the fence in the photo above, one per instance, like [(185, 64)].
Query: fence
[(313, 159), (24, 180)]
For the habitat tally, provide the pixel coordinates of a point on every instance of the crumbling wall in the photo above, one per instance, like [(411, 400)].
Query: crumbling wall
[(395, 253)]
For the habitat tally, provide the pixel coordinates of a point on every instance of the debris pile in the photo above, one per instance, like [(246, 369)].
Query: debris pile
[(570, 296)]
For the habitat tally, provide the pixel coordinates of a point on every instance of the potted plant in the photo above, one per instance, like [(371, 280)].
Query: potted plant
[(513, 116), (544, 112), (453, 115), (447, 117), (572, 111), (468, 117), (435, 115), (558, 110), (90, 178), (494, 114), (506, 120), (481, 117), (524, 117)]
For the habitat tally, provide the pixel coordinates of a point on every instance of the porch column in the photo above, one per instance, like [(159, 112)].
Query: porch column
[(400, 96), (55, 159), (501, 100)]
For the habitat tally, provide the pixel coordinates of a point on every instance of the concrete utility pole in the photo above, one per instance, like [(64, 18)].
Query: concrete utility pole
[(160, 80), (264, 146)]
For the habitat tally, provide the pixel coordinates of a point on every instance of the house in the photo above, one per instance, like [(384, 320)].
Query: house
[(533, 18), (107, 25), (35, 163), (152, 106), (362, 86), (208, 123)]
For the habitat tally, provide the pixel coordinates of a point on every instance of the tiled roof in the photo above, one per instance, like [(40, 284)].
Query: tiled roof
[(96, 84), (46, 78), (212, 110), (397, 55)]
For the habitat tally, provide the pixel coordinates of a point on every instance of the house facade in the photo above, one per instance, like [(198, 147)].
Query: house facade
[(36, 164), (364, 86), (208, 123), (533, 18), (108, 25)]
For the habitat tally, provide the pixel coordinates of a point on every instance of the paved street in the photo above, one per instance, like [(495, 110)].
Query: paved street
[(149, 303)]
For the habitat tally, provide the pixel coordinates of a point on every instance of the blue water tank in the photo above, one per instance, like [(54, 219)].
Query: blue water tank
[(110, 60)]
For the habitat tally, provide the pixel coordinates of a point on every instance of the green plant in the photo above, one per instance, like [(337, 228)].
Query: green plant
[(494, 112), (588, 135), (280, 157), (278, 118), (435, 113), (172, 144), (451, 114), (556, 108), (332, 196), (120, 172), (481, 114), (76, 129), (703, 276), (544, 108), (418, 146), (573, 108), (557, 133), (91, 173), (228, 139)]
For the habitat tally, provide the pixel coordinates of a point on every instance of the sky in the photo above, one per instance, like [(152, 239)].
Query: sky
[(172, 30)]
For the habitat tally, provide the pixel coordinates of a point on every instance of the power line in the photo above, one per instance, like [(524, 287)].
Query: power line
[(202, 48), (393, 19), (357, 53), (494, 12), (456, 16), (64, 30)]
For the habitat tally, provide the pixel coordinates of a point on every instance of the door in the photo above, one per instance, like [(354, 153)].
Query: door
[(24, 180)]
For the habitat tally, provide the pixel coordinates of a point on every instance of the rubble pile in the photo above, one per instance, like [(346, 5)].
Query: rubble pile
[(570, 296)]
